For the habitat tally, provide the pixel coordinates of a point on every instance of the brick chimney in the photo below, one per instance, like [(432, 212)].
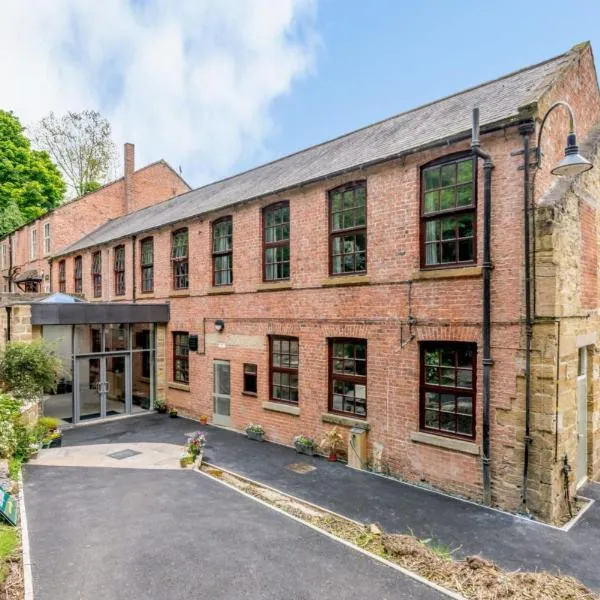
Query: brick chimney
[(129, 157)]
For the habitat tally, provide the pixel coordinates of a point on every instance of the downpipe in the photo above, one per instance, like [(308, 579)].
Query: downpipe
[(487, 361)]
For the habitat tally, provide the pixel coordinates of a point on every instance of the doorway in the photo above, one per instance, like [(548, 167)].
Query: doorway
[(102, 387), (581, 467), (222, 393)]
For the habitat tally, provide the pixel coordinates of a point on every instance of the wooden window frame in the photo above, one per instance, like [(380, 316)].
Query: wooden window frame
[(440, 214), (183, 357), (62, 276), (97, 274), (280, 369), (181, 281), (221, 253), (273, 208), (46, 237), (119, 270), (245, 390), (356, 379), (353, 185), (454, 390), (147, 267), (78, 274)]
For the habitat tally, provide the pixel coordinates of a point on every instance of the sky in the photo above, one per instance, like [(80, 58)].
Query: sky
[(219, 86)]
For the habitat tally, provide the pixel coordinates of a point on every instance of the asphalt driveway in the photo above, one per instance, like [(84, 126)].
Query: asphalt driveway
[(111, 534)]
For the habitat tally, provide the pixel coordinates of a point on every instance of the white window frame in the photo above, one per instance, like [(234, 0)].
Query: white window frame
[(47, 237), (3, 254), (33, 243)]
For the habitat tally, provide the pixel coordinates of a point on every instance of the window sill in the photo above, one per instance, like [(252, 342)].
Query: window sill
[(445, 442), (179, 293), (287, 409), (344, 421), (217, 291), (250, 394), (274, 286), (447, 273), (178, 386), (345, 280), (145, 379), (144, 295)]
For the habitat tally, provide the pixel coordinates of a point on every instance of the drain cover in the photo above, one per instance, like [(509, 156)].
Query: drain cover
[(301, 468), (121, 454)]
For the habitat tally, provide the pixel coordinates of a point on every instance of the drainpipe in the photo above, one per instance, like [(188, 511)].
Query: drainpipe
[(50, 273), (487, 361), (526, 129), (133, 267), (10, 263), (8, 316)]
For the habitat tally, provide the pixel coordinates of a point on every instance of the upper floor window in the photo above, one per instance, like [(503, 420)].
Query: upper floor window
[(47, 238), (62, 277), (285, 357), (147, 264), (348, 376), (448, 388), (120, 271), (348, 229), (179, 259), (78, 274), (33, 245), (222, 251), (276, 237), (3, 255), (448, 216), (97, 273), (181, 353)]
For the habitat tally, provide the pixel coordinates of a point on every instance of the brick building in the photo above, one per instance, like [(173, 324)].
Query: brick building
[(25, 254), (343, 285)]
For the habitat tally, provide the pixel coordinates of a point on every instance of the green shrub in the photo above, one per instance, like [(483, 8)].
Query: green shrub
[(29, 369), (48, 423)]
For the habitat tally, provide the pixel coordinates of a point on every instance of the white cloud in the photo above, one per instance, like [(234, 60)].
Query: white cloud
[(189, 81)]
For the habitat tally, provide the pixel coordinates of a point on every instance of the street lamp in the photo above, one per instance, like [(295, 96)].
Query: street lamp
[(573, 163)]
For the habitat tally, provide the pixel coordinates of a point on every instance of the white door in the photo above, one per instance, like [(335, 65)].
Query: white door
[(582, 411), (221, 393)]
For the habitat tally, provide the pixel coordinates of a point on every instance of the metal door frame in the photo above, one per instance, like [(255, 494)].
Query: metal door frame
[(224, 420), (581, 464)]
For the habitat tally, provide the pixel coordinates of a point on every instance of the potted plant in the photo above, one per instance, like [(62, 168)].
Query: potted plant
[(160, 406), (195, 446), (304, 445), (332, 444), (52, 439), (173, 412), (255, 432), (203, 419), (185, 460)]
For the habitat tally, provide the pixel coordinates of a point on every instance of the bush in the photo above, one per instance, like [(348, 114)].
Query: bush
[(29, 369)]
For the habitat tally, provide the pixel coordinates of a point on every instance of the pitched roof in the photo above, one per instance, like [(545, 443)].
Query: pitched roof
[(499, 102)]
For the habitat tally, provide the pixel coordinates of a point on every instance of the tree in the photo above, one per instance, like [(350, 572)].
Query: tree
[(81, 145), (30, 183)]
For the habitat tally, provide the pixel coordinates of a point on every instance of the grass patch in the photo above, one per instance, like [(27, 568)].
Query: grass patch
[(14, 468), (9, 541)]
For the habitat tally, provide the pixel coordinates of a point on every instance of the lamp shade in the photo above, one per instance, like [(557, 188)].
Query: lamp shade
[(573, 163)]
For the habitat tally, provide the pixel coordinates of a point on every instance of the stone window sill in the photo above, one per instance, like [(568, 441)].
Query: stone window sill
[(179, 293), (287, 409), (345, 280), (145, 379), (217, 291), (251, 394), (428, 274), (344, 421), (274, 286), (144, 295), (179, 386), (445, 442)]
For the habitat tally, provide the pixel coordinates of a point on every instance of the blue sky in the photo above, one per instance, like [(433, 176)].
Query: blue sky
[(382, 57)]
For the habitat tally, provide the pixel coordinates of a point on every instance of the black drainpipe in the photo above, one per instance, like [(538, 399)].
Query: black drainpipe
[(50, 273), (133, 268), (487, 361), (8, 316), (10, 263), (526, 129)]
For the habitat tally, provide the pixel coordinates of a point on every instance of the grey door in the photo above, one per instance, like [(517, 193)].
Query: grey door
[(221, 393), (582, 411)]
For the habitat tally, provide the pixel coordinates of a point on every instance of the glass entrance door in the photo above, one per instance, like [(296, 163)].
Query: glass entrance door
[(221, 393), (102, 387)]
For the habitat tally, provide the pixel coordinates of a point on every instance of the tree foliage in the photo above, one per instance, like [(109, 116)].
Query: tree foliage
[(30, 183), (81, 145)]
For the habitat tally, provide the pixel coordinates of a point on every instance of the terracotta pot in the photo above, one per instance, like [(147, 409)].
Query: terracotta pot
[(332, 457), (203, 420)]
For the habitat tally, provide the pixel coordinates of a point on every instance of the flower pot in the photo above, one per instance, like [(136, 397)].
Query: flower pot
[(302, 449), (254, 435), (203, 420), (173, 415), (162, 411), (55, 443), (332, 457)]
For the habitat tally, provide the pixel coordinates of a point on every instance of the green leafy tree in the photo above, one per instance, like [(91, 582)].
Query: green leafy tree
[(81, 144), (30, 183)]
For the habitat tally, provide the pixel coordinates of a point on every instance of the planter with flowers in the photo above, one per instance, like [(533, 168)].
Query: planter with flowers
[(53, 439), (304, 445), (203, 420), (333, 443), (255, 432), (185, 460), (195, 446), (160, 406), (173, 413)]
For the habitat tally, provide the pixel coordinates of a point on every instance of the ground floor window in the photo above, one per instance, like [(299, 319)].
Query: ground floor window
[(348, 376), (285, 355), (181, 357), (250, 379), (448, 388)]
